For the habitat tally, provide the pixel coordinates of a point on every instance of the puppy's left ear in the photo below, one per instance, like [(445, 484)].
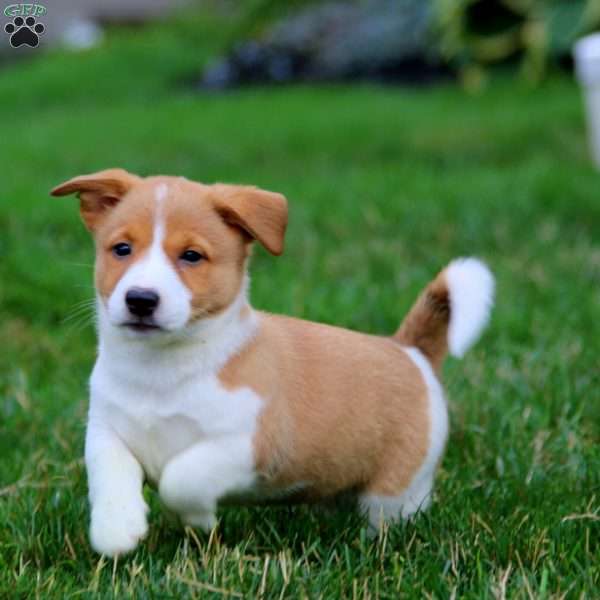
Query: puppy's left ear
[(262, 215)]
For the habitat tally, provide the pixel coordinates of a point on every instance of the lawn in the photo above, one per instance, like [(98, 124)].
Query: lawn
[(385, 186)]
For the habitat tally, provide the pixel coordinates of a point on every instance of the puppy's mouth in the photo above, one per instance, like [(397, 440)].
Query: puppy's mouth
[(142, 326)]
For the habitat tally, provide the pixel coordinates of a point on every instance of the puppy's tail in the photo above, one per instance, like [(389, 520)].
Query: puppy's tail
[(451, 312)]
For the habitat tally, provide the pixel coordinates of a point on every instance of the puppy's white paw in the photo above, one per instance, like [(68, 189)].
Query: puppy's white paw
[(204, 520), (118, 526)]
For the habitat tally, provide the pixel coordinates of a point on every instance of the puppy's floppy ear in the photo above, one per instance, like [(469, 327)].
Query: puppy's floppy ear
[(262, 215), (97, 192)]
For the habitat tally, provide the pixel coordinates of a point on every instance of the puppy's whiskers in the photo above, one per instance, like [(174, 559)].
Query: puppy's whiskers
[(81, 315)]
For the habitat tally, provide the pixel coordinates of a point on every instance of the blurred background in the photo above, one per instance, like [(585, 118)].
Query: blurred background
[(274, 41), (404, 133)]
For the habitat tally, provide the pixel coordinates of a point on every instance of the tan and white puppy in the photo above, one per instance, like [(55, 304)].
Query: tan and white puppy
[(211, 400)]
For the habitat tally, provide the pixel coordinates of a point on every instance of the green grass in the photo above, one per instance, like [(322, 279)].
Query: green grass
[(385, 186)]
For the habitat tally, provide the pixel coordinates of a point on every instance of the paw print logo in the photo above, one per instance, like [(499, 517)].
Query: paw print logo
[(24, 32)]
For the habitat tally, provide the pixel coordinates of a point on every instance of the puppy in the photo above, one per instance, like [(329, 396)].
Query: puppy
[(210, 400)]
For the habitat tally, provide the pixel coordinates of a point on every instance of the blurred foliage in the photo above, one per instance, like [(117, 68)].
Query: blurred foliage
[(475, 34), (256, 15)]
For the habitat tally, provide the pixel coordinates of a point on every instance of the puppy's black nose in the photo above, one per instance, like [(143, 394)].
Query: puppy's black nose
[(141, 302)]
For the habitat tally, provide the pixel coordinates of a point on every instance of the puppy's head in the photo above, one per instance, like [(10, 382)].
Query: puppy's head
[(169, 251)]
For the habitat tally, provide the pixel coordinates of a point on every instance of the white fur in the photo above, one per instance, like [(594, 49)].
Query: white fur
[(417, 495), (471, 287), (161, 192), (194, 481), (168, 358), (158, 409)]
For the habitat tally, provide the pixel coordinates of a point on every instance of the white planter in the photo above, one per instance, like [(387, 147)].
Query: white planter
[(587, 67)]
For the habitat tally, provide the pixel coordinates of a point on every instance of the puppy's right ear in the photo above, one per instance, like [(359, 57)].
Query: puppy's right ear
[(97, 192)]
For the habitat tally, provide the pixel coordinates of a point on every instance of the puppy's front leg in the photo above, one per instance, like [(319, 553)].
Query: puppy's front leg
[(193, 481), (115, 480)]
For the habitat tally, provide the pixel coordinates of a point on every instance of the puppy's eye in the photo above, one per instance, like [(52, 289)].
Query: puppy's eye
[(191, 256), (121, 250)]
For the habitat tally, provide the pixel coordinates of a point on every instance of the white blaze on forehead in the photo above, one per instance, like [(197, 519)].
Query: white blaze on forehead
[(160, 193), (154, 271)]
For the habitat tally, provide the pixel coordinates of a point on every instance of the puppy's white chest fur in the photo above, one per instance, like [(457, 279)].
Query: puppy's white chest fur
[(162, 401), (158, 422)]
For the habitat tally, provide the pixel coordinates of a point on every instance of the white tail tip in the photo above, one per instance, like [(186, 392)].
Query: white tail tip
[(471, 288)]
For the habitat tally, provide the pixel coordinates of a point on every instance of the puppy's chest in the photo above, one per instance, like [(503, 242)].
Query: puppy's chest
[(159, 422)]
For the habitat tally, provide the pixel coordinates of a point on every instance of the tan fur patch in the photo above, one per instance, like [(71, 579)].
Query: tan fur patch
[(426, 325), (192, 222), (342, 408)]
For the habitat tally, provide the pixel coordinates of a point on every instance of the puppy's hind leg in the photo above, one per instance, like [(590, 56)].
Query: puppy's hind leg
[(379, 499), (387, 508)]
